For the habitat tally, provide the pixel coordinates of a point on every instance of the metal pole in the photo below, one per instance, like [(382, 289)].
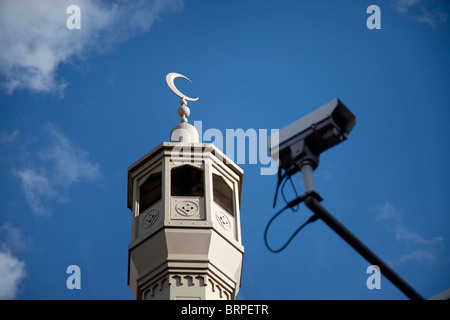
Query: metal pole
[(308, 177), (360, 247)]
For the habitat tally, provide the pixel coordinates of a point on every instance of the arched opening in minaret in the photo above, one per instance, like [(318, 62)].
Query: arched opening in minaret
[(222, 194), (187, 181), (150, 191)]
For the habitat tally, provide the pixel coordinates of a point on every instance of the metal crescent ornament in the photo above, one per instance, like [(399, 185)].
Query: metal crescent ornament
[(169, 80)]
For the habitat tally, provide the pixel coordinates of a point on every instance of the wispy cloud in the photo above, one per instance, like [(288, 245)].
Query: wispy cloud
[(34, 39), (387, 211), (424, 11), (69, 163), (418, 256), (53, 170), (410, 237), (12, 270), (419, 249), (9, 137), (14, 238)]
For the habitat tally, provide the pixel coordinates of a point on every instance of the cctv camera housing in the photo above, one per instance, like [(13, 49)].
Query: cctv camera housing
[(306, 138)]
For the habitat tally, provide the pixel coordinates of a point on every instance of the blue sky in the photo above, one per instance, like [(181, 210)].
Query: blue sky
[(77, 107)]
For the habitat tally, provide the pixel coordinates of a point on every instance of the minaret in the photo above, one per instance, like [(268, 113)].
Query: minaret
[(185, 231)]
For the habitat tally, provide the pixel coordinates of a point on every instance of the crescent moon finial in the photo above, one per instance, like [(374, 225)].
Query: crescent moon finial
[(183, 111), (170, 78)]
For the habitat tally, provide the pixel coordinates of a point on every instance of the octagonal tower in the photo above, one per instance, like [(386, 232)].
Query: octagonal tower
[(186, 238)]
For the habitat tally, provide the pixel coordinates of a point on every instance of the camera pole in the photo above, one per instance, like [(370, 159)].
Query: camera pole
[(313, 204), (307, 167)]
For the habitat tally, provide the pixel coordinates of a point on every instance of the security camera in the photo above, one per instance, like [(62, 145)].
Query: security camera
[(304, 140)]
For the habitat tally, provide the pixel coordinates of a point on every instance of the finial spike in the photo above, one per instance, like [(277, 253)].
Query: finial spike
[(183, 111)]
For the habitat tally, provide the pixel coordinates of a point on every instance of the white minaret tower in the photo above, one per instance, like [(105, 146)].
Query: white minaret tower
[(185, 236)]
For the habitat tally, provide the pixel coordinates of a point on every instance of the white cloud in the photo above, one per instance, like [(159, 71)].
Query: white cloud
[(35, 40), (423, 11), (12, 272), (53, 170)]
